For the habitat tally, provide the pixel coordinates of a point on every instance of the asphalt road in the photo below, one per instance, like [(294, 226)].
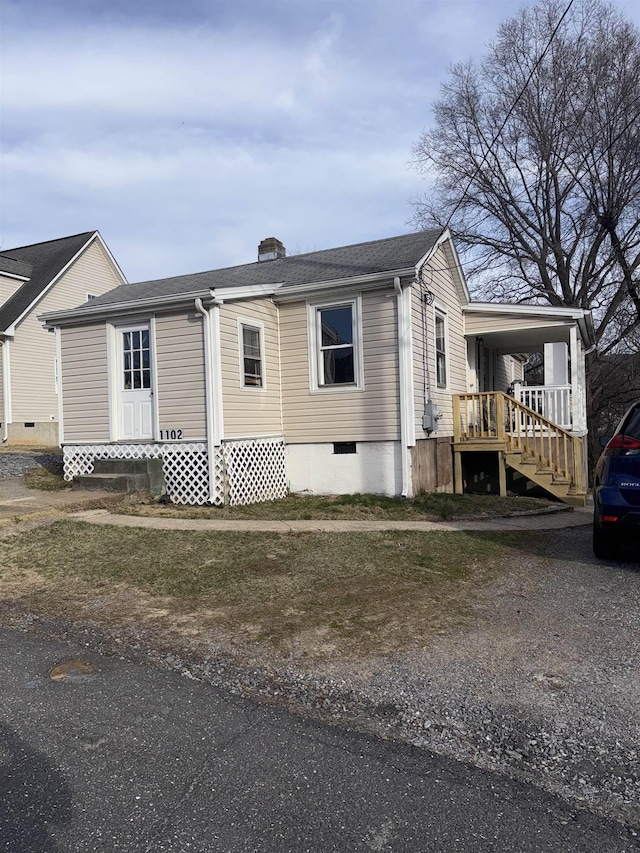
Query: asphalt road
[(132, 758)]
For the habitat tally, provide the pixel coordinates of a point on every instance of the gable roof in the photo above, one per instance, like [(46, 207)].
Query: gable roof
[(345, 262), (42, 262), (15, 269)]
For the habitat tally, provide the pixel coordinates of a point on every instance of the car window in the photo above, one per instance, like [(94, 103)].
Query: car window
[(632, 426)]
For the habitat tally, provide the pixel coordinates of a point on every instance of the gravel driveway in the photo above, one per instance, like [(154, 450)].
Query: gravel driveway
[(15, 464), (544, 686)]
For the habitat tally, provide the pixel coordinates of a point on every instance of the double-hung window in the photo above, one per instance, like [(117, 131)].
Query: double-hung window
[(441, 349), (251, 356), (336, 351)]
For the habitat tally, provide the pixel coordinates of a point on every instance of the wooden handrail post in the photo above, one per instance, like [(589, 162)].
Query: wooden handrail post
[(578, 465), (456, 418), (500, 416)]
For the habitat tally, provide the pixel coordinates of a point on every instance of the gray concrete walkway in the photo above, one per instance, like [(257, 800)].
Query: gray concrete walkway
[(544, 521), (21, 506)]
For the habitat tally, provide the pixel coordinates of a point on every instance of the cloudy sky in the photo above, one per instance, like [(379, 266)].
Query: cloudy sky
[(186, 131)]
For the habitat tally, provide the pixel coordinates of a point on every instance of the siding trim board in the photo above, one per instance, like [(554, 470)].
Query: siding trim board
[(155, 403), (59, 386), (216, 377), (405, 370), (6, 387)]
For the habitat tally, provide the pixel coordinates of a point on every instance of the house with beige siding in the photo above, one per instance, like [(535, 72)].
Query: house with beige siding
[(363, 368), (50, 276)]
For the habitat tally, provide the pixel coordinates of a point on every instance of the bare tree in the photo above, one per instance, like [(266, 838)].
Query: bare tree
[(535, 161)]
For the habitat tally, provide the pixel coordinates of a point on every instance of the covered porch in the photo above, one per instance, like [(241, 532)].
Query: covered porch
[(537, 430)]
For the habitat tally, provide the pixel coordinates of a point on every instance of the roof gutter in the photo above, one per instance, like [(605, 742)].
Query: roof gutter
[(114, 309), (74, 316), (292, 292)]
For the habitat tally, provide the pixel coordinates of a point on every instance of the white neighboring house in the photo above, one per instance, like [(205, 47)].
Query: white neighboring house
[(363, 368), (50, 276)]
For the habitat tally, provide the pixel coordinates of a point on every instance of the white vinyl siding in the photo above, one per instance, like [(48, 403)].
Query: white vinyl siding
[(33, 351), (8, 286), (441, 284), (343, 414), (250, 412), (503, 373), (179, 348), (85, 381)]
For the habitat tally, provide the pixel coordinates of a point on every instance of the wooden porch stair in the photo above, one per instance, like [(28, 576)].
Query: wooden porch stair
[(559, 485), (543, 452)]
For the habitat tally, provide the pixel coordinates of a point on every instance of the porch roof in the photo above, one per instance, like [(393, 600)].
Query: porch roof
[(525, 328)]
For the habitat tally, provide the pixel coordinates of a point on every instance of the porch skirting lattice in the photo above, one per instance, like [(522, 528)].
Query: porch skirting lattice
[(246, 471)]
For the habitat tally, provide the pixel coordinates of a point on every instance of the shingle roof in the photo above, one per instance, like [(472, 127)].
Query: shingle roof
[(45, 261), (9, 266), (377, 256)]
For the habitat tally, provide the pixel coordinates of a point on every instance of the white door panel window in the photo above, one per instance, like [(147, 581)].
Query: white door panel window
[(135, 383)]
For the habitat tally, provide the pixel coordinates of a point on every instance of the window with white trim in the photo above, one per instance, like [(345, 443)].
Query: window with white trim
[(441, 349), (336, 345), (252, 360)]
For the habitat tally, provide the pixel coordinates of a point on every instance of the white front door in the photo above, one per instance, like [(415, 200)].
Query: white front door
[(135, 383)]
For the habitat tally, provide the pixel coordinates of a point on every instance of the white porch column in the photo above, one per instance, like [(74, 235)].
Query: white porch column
[(578, 383)]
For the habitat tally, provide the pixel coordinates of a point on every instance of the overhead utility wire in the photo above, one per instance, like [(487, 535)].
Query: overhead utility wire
[(520, 197), (512, 108)]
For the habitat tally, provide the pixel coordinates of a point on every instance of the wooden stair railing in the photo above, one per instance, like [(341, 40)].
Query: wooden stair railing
[(496, 420)]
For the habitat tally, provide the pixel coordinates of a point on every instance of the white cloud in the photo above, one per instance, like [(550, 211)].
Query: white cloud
[(186, 132)]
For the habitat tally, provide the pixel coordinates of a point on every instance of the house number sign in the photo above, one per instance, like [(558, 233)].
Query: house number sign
[(170, 434)]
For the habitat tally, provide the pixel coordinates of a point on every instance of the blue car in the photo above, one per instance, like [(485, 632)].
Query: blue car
[(616, 488)]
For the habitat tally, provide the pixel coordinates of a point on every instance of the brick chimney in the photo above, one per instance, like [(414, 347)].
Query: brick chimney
[(270, 249)]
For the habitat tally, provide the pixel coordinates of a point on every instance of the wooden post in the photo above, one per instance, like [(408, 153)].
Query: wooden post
[(502, 474), (458, 483), (500, 417), (456, 418), (579, 464)]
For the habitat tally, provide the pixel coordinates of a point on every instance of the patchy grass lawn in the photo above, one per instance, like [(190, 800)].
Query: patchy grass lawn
[(309, 595), (44, 480), (431, 507)]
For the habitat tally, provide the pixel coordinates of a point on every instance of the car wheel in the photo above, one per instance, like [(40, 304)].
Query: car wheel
[(604, 545)]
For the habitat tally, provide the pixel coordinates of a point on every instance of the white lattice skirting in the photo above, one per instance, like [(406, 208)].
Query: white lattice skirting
[(246, 471)]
